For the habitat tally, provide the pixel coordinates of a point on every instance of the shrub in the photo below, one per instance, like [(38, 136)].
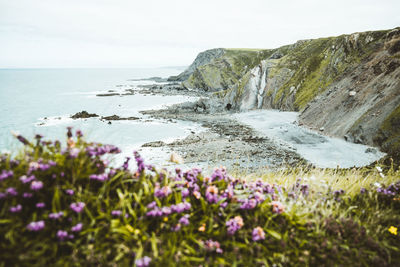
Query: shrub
[(69, 206)]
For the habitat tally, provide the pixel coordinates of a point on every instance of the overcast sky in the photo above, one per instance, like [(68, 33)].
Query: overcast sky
[(148, 33)]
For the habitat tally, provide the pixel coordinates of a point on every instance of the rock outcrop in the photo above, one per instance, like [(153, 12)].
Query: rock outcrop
[(349, 85), (202, 59), (84, 115)]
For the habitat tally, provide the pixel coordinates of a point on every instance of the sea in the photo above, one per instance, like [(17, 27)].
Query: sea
[(41, 101)]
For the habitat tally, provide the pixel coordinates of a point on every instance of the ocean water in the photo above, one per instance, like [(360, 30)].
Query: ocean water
[(41, 101)]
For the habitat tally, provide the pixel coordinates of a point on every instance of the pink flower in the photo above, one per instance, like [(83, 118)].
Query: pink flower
[(36, 185), (258, 234), (277, 207), (77, 207)]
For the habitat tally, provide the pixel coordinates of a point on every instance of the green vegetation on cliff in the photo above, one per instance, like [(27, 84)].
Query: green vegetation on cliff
[(225, 71)]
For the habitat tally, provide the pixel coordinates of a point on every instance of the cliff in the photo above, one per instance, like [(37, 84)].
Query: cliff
[(202, 59), (347, 86), (219, 69)]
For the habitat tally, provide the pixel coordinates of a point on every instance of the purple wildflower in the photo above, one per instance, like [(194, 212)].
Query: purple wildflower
[(218, 174), (11, 191), (56, 215), (178, 208), (36, 185), (185, 192), (277, 207), (16, 209), (258, 234), (166, 211), (22, 139), (40, 205), (62, 235), (33, 166), (6, 174), (74, 152), (77, 207), (111, 173), (188, 206), (184, 220), (304, 189), (363, 190), (212, 194), (35, 226), (139, 162), (2, 195), (116, 213), (69, 192), (44, 166), (152, 205), (234, 225), (176, 228), (211, 245), (14, 163), (99, 177), (27, 195), (162, 192), (259, 197), (248, 204), (26, 179), (143, 262), (152, 213), (126, 163), (77, 227)]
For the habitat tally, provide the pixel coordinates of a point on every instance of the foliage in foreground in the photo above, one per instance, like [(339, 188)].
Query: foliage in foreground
[(68, 206)]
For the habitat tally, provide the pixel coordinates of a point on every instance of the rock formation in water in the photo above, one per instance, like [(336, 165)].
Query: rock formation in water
[(347, 85)]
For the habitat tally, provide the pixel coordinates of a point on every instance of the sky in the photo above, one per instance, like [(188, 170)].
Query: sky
[(150, 33)]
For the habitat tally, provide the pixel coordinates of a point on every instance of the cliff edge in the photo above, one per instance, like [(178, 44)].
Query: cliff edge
[(346, 86)]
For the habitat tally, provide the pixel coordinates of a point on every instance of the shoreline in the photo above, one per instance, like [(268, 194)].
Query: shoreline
[(226, 141)]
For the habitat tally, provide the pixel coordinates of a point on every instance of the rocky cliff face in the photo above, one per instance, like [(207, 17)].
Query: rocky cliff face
[(202, 59), (347, 86), (224, 71)]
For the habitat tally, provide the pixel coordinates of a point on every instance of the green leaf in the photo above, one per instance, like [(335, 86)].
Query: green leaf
[(153, 241), (274, 234)]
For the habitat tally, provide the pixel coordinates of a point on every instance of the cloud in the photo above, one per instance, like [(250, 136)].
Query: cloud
[(144, 33)]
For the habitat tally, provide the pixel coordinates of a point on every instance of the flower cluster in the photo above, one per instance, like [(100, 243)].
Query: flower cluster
[(211, 245), (234, 224), (6, 174), (258, 234), (165, 211), (277, 207), (56, 215), (16, 208), (162, 192), (35, 226), (99, 177), (143, 262), (77, 207)]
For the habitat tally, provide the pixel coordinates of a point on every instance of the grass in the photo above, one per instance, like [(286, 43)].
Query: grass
[(151, 217)]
